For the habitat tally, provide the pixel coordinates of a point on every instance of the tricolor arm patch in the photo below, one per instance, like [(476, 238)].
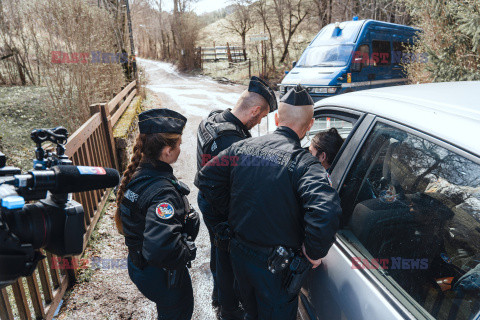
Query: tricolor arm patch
[(165, 210)]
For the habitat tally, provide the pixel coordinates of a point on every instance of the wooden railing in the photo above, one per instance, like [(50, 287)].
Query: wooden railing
[(222, 53), (91, 145)]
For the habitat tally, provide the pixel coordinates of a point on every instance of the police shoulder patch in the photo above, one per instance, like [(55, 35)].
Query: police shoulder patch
[(165, 210)]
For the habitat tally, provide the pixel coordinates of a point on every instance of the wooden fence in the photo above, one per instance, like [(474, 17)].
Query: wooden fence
[(222, 53), (91, 145)]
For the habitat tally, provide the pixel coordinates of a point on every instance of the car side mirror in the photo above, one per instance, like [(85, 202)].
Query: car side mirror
[(294, 63)]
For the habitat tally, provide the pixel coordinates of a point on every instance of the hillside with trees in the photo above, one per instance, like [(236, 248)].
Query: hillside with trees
[(450, 32)]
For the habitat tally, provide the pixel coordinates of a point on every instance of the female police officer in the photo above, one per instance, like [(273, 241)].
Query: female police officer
[(155, 217)]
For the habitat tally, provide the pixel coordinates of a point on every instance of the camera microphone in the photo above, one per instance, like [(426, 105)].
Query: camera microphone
[(69, 179)]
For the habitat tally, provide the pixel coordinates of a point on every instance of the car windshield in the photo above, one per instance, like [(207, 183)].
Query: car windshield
[(326, 56)]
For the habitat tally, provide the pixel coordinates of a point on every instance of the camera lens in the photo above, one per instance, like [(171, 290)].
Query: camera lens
[(58, 228)]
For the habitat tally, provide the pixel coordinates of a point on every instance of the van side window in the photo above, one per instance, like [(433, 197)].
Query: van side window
[(414, 207), (381, 53), (399, 49), (364, 53)]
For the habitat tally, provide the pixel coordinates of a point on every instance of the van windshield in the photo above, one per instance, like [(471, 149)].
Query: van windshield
[(347, 33), (326, 56)]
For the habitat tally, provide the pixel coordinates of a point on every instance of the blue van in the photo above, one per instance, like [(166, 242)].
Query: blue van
[(353, 55)]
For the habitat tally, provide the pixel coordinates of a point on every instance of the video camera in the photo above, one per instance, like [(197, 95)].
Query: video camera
[(55, 222)]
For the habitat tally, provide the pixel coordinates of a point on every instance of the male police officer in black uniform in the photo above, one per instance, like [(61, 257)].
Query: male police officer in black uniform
[(280, 207), (215, 133)]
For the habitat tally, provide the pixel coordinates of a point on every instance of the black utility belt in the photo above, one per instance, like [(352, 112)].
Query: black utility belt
[(174, 277), (261, 252), (292, 263)]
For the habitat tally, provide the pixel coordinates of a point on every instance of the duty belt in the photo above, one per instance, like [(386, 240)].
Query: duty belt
[(259, 252), (276, 259)]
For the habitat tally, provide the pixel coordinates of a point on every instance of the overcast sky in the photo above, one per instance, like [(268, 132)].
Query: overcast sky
[(201, 6)]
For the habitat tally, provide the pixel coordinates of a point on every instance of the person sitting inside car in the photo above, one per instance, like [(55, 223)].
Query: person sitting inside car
[(325, 146)]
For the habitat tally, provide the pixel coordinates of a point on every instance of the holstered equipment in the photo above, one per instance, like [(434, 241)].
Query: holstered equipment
[(174, 277), (279, 259), (296, 274), (187, 239)]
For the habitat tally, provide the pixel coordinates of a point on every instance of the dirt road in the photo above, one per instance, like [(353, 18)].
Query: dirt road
[(194, 97), (109, 293)]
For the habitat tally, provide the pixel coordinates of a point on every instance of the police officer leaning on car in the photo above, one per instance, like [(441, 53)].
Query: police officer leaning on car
[(155, 217), (281, 209), (215, 133)]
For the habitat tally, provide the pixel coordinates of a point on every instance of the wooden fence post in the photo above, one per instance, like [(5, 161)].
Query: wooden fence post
[(94, 108), (104, 109), (249, 68), (229, 54), (5, 308), (214, 52)]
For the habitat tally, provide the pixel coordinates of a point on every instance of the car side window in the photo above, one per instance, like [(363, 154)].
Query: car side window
[(324, 123), (414, 207)]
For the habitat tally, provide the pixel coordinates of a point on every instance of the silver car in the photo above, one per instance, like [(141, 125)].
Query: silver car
[(408, 175)]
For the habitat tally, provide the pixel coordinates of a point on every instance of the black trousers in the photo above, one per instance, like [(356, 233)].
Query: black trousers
[(220, 264), (262, 292), (172, 304), (206, 210), (227, 286)]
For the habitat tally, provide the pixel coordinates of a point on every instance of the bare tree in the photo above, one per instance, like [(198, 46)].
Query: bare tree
[(185, 30), (290, 14), (322, 12), (240, 22), (264, 12)]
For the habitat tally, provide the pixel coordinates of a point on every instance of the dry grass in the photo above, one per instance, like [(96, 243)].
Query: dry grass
[(23, 109), (218, 34)]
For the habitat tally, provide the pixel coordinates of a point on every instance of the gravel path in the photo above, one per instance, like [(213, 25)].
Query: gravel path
[(109, 293)]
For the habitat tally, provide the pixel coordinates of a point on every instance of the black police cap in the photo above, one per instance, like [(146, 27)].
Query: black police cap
[(297, 96), (161, 121), (261, 87)]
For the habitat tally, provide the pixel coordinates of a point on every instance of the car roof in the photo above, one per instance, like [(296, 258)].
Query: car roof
[(449, 111)]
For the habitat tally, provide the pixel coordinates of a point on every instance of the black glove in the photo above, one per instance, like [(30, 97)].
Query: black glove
[(190, 245), (223, 235), (192, 224)]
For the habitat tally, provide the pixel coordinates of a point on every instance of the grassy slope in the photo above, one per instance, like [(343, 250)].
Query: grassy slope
[(216, 32), (22, 109)]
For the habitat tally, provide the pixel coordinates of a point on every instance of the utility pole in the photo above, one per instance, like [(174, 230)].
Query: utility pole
[(132, 46)]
